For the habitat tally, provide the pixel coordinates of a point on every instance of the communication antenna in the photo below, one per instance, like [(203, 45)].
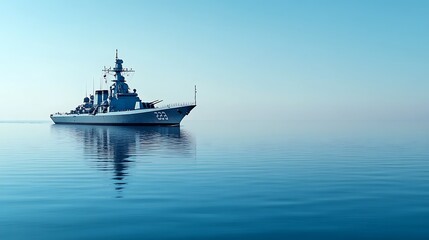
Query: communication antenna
[(195, 94), (105, 75), (93, 88), (116, 54)]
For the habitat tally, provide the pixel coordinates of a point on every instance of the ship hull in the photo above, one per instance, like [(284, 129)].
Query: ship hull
[(148, 117)]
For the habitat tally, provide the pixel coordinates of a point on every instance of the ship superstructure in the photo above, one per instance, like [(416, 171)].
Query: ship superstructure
[(119, 105)]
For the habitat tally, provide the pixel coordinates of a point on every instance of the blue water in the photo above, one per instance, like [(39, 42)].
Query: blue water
[(215, 180)]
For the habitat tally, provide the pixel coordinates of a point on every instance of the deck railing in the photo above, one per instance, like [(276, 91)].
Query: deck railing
[(182, 104)]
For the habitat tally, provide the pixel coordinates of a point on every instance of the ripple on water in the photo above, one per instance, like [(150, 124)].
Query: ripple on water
[(232, 181)]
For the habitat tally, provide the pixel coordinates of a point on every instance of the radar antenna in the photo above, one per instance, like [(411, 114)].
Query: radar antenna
[(119, 86)]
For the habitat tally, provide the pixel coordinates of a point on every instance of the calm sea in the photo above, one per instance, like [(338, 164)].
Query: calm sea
[(215, 180)]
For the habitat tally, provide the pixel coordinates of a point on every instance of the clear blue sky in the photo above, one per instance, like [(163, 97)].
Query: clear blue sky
[(259, 59)]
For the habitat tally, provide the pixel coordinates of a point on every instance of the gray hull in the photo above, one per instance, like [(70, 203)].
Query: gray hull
[(154, 116)]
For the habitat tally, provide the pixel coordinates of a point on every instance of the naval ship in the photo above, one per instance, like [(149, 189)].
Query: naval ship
[(118, 105)]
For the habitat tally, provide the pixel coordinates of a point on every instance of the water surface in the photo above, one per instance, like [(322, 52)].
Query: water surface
[(211, 180)]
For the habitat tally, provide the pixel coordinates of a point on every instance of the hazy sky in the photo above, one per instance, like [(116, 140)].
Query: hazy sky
[(249, 59)]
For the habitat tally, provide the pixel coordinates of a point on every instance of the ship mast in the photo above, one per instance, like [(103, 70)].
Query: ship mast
[(119, 85)]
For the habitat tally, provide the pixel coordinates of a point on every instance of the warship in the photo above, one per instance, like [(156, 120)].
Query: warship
[(118, 105)]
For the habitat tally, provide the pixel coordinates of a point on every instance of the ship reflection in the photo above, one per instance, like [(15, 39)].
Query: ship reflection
[(117, 148)]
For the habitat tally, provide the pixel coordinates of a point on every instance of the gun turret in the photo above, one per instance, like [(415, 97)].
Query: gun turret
[(155, 102)]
